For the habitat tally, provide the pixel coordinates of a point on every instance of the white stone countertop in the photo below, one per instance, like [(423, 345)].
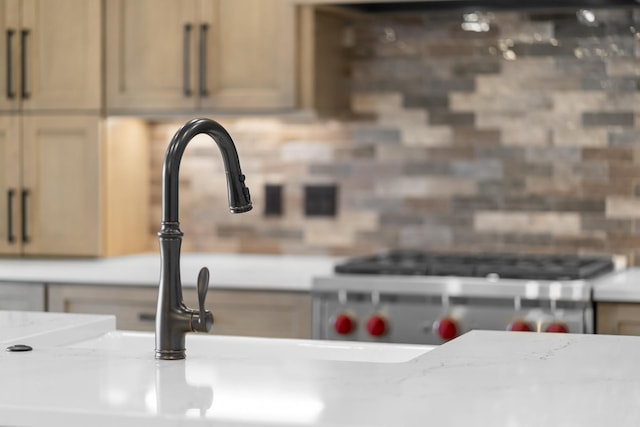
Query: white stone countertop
[(486, 378), (51, 329), (232, 271), (618, 286)]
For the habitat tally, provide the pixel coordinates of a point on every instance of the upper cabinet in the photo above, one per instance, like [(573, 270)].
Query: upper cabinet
[(53, 55), (248, 52), (190, 55)]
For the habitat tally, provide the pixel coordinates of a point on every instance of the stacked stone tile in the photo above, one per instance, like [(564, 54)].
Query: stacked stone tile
[(522, 139)]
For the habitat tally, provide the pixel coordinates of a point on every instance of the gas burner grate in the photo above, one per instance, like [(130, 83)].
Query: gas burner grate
[(529, 267)]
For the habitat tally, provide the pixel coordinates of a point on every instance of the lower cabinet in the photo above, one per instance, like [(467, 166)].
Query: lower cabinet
[(22, 296), (618, 318), (259, 313), (236, 312), (134, 308)]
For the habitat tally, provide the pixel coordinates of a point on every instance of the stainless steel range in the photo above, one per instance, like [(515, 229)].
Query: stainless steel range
[(426, 298)]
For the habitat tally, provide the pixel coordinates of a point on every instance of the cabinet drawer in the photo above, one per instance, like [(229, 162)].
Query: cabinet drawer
[(243, 313)]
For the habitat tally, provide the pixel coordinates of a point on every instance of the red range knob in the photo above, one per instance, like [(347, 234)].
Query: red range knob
[(519, 326), (376, 325), (447, 328), (343, 324), (557, 327)]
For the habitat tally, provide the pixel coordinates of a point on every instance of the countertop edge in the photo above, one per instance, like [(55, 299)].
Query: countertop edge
[(250, 272), (618, 286)]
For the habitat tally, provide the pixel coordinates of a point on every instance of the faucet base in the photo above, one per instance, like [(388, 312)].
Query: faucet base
[(170, 354)]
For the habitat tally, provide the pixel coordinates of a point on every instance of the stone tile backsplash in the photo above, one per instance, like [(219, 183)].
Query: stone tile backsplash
[(521, 139)]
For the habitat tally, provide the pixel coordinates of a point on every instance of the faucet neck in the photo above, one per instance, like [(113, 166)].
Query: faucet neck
[(239, 200)]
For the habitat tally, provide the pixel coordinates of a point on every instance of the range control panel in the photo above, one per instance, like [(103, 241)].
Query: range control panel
[(426, 320)]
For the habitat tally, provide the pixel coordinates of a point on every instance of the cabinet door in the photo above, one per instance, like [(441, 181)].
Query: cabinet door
[(9, 29), (9, 184), (150, 52), (246, 55), (61, 42), (618, 318), (61, 171), (134, 308), (260, 314)]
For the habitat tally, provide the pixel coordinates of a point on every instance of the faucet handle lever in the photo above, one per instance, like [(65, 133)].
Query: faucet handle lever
[(203, 287), (205, 320)]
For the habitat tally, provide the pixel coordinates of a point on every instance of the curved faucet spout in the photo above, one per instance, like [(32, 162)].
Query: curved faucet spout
[(173, 318), (239, 198)]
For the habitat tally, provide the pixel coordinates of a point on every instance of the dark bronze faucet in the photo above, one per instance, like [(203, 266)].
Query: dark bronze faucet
[(173, 318)]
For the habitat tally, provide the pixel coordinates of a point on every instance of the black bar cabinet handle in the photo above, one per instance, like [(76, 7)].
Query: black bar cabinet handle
[(10, 93), (147, 317), (25, 235), (23, 64), (186, 60), (10, 237), (203, 60)]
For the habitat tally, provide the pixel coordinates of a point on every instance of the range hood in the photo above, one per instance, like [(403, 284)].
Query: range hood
[(425, 6)]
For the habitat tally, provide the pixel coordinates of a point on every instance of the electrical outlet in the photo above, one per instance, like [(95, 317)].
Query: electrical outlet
[(320, 200), (273, 200)]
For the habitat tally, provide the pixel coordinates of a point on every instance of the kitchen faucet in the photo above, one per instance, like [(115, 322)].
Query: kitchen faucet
[(173, 318)]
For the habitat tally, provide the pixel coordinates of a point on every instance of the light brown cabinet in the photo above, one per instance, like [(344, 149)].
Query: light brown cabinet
[(53, 55), (59, 202), (618, 318), (325, 42), (10, 160), (72, 185), (192, 55), (61, 173), (236, 312), (261, 314)]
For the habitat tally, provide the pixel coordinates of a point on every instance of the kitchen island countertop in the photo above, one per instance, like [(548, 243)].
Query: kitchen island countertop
[(40, 329), (481, 378), (229, 271)]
